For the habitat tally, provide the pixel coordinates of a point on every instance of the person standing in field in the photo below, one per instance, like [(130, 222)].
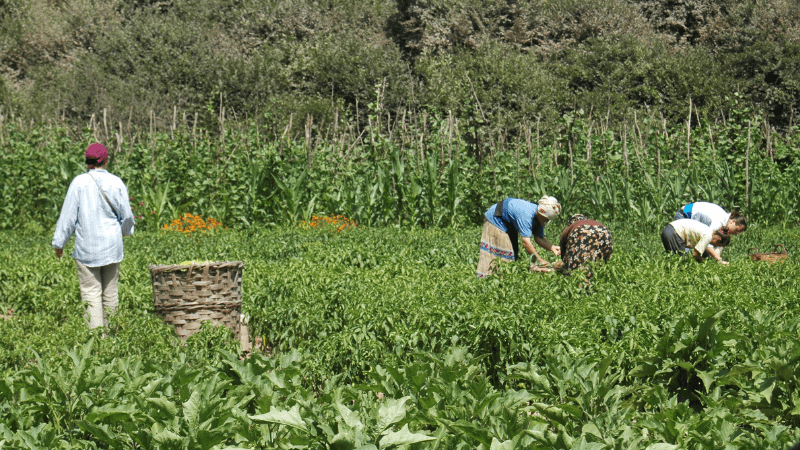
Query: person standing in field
[(97, 211), (683, 233), (584, 241), (506, 221)]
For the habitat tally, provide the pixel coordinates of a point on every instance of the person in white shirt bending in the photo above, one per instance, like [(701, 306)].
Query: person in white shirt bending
[(731, 223), (713, 216), (687, 233), (97, 211)]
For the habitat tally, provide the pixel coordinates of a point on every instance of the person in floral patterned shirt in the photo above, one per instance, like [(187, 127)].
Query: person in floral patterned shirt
[(584, 241)]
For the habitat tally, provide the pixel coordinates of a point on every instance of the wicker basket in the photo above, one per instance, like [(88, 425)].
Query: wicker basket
[(185, 296), (775, 256)]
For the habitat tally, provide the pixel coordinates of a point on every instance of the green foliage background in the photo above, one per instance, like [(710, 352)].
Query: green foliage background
[(138, 62), (424, 174)]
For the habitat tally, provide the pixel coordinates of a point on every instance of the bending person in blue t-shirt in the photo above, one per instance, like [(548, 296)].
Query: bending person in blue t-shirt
[(505, 221)]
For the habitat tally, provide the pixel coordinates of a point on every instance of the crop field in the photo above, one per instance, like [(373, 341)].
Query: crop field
[(349, 171), (379, 338)]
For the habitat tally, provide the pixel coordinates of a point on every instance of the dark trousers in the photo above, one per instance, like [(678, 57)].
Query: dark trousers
[(672, 242), (513, 234)]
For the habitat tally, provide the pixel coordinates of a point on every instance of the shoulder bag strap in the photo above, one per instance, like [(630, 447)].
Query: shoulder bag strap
[(104, 195), (498, 212)]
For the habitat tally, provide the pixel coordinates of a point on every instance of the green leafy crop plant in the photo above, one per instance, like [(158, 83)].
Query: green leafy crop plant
[(384, 338)]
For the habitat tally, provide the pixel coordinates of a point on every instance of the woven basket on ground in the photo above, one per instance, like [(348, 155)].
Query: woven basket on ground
[(187, 295), (769, 257)]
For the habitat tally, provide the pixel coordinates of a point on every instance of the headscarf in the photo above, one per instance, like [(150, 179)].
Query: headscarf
[(548, 207), (97, 152), (576, 218)]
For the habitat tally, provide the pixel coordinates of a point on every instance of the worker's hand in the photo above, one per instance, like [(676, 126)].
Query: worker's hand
[(556, 250), (59, 252), (724, 263)]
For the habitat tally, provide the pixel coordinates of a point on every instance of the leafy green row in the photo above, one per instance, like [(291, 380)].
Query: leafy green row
[(249, 179), (575, 398), (658, 351)]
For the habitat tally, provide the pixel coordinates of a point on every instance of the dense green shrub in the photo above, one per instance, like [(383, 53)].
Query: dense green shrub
[(615, 76), (146, 65)]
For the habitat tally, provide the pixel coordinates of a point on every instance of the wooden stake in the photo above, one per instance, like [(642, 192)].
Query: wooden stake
[(194, 128), (605, 152), (636, 151), (689, 135), (658, 163), (119, 138), (556, 146), (288, 127), (625, 150), (221, 127), (152, 143), (639, 130), (538, 143), (309, 122), (747, 170), (711, 140), (450, 135), (769, 140), (422, 137), (105, 124), (371, 131), (441, 155), (530, 147), (589, 146), (458, 136), (517, 177), (130, 117), (571, 165)]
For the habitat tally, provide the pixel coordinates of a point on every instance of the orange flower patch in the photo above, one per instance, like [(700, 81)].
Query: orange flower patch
[(190, 223), (334, 223)]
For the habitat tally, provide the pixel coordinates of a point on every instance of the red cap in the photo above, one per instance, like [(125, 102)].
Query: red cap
[(98, 152)]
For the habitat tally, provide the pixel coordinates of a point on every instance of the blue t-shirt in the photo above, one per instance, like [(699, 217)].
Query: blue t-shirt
[(520, 214)]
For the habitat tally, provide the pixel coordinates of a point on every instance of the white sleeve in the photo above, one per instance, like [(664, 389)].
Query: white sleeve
[(704, 241)]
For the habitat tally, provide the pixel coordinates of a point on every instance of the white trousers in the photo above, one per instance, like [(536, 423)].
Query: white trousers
[(98, 291)]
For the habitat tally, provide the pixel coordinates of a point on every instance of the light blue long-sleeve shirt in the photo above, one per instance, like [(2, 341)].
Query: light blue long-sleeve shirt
[(98, 232)]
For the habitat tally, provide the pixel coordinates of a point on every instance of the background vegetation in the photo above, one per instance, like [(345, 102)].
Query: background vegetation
[(422, 174), (493, 64), (416, 112)]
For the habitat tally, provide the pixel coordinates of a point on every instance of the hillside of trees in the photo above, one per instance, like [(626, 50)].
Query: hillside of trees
[(492, 64)]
